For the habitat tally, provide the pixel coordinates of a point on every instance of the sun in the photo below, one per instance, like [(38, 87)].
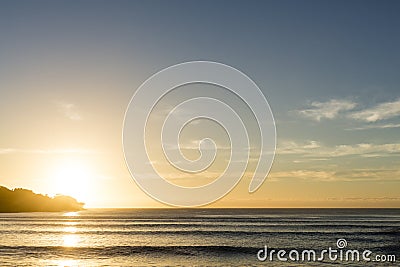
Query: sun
[(72, 177)]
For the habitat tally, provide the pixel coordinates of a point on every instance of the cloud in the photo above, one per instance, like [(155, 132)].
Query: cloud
[(381, 111), (44, 151), (70, 111), (327, 110), (365, 149), (292, 147), (369, 175), (316, 149), (303, 174), (373, 126), (330, 176), (6, 150)]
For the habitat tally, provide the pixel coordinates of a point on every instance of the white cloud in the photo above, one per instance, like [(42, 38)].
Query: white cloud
[(303, 174), (374, 126), (292, 147), (330, 176), (6, 150), (381, 111), (365, 149), (315, 149), (328, 110), (70, 111)]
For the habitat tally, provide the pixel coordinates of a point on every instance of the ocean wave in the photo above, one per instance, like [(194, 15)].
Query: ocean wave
[(122, 250)]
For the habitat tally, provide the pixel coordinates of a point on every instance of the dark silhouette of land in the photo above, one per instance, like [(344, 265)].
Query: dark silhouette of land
[(23, 200)]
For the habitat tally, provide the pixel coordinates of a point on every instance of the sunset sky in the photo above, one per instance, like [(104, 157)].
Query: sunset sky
[(329, 69)]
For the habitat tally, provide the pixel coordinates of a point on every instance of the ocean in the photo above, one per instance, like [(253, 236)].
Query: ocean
[(198, 237)]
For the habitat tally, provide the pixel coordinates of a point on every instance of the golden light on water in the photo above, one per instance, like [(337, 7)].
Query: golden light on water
[(65, 263), (71, 214), (70, 229), (71, 223), (70, 240)]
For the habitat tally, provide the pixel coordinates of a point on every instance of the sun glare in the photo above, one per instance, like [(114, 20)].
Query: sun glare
[(73, 178), (70, 240)]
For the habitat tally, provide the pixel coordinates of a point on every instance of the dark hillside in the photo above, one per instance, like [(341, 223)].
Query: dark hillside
[(23, 200)]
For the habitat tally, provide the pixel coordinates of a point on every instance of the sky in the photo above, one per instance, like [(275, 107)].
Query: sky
[(329, 69)]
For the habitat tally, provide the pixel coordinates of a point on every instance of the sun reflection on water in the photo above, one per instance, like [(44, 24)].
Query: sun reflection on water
[(66, 263), (70, 240), (71, 214), (70, 229)]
